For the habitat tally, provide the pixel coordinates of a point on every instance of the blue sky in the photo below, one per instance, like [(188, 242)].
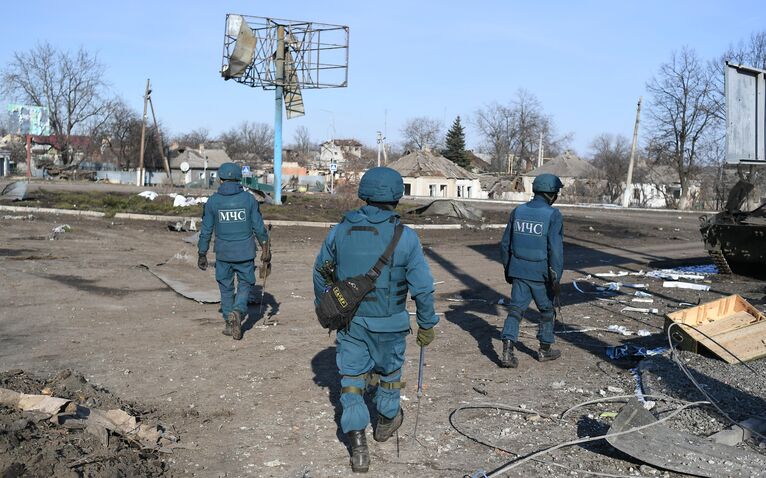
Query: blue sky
[(586, 61)]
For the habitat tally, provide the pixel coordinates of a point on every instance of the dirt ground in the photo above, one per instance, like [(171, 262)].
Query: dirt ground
[(268, 405)]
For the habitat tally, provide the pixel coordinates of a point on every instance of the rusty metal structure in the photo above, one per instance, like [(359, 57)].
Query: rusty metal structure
[(736, 239)]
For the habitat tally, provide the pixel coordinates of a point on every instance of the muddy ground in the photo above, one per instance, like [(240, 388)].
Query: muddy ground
[(268, 405)]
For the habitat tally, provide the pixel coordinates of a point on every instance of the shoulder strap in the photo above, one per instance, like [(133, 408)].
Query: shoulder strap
[(374, 273)]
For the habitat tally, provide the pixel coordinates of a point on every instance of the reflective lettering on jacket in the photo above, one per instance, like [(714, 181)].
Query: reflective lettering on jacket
[(232, 215), (530, 233), (534, 228)]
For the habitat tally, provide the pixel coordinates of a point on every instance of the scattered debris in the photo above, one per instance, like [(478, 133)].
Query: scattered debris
[(150, 195), (736, 434), (685, 285), (189, 225), (643, 300), (182, 201), (731, 323), (629, 350), (59, 230), (665, 448), (640, 293), (642, 310), (181, 274), (443, 207), (619, 329), (26, 217), (15, 191), (674, 274)]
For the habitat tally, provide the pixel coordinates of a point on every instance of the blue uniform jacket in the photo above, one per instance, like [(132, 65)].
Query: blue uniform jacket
[(235, 216), (533, 241), (408, 261)]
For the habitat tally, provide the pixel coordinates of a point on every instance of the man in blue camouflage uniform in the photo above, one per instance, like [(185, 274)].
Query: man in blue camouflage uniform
[(532, 251), (372, 347), (235, 216)]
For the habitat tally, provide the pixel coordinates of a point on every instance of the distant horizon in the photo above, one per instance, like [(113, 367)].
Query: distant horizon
[(586, 63)]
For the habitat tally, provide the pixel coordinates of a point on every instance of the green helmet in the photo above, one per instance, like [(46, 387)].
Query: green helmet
[(381, 185), (230, 171), (547, 183)]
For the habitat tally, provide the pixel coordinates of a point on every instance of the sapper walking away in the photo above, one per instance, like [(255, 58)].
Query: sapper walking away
[(370, 348), (532, 251), (236, 218)]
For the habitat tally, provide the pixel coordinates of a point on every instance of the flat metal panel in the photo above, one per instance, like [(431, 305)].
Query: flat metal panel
[(745, 90)]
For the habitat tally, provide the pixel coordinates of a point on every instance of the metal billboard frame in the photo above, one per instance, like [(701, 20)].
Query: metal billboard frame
[(745, 92)]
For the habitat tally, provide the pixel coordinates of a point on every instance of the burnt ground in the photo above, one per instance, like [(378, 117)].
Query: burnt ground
[(268, 405)]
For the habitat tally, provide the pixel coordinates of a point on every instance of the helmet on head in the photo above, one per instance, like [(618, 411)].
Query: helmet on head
[(229, 172), (381, 185), (547, 183)]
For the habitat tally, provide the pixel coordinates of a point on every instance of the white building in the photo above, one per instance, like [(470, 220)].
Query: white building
[(429, 174), (339, 151)]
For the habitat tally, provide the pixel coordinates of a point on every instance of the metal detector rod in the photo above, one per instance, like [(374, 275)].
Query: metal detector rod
[(420, 389)]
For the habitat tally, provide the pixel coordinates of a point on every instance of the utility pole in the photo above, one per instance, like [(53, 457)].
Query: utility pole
[(140, 171), (278, 91), (629, 181), (159, 141), (380, 144), (540, 151)]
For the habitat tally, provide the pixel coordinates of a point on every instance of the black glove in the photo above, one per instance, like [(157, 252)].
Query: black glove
[(556, 288), (202, 262)]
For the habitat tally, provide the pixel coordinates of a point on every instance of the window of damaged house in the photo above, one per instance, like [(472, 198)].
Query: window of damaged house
[(407, 189), (443, 190)]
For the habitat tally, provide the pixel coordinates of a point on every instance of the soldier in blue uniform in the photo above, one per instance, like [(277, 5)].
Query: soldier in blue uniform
[(235, 216), (532, 251), (372, 347)]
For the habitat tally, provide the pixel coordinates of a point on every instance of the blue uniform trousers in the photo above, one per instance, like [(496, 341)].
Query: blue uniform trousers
[(224, 275), (360, 351), (522, 293)]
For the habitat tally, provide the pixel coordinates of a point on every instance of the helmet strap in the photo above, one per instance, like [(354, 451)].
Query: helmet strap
[(550, 198), (388, 206)]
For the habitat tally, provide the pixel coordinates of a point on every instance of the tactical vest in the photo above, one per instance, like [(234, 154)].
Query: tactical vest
[(233, 228), (358, 246), (530, 233)]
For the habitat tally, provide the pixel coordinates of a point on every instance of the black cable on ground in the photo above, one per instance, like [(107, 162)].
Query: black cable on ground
[(677, 359), (498, 406)]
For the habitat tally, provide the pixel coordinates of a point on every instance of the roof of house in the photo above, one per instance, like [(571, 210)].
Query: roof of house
[(196, 159), (478, 162), (426, 163), (344, 142), (566, 165)]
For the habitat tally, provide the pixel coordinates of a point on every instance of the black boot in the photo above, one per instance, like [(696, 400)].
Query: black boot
[(360, 455), (226, 328), (508, 360), (545, 353), (387, 426), (235, 321)]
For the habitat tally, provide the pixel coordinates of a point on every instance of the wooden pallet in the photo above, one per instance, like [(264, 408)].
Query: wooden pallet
[(732, 322)]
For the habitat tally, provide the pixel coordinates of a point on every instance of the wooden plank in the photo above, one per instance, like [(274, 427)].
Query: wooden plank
[(725, 324), (747, 343)]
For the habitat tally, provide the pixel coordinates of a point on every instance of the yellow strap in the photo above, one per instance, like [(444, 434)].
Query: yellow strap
[(352, 389), (392, 385)]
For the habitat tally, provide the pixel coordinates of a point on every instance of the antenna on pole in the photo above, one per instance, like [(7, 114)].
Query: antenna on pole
[(286, 56)]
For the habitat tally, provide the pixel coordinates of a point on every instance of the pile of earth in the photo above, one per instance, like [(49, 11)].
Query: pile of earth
[(32, 446)]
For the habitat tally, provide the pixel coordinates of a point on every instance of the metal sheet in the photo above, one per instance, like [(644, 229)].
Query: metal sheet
[(682, 452), (184, 278), (745, 91)]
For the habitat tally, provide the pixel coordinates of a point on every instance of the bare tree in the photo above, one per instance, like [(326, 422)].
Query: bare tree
[(514, 131), (750, 53), (684, 109), (193, 138), (611, 154), (249, 140), (494, 122), (122, 138), (422, 132), (70, 85), (302, 140)]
